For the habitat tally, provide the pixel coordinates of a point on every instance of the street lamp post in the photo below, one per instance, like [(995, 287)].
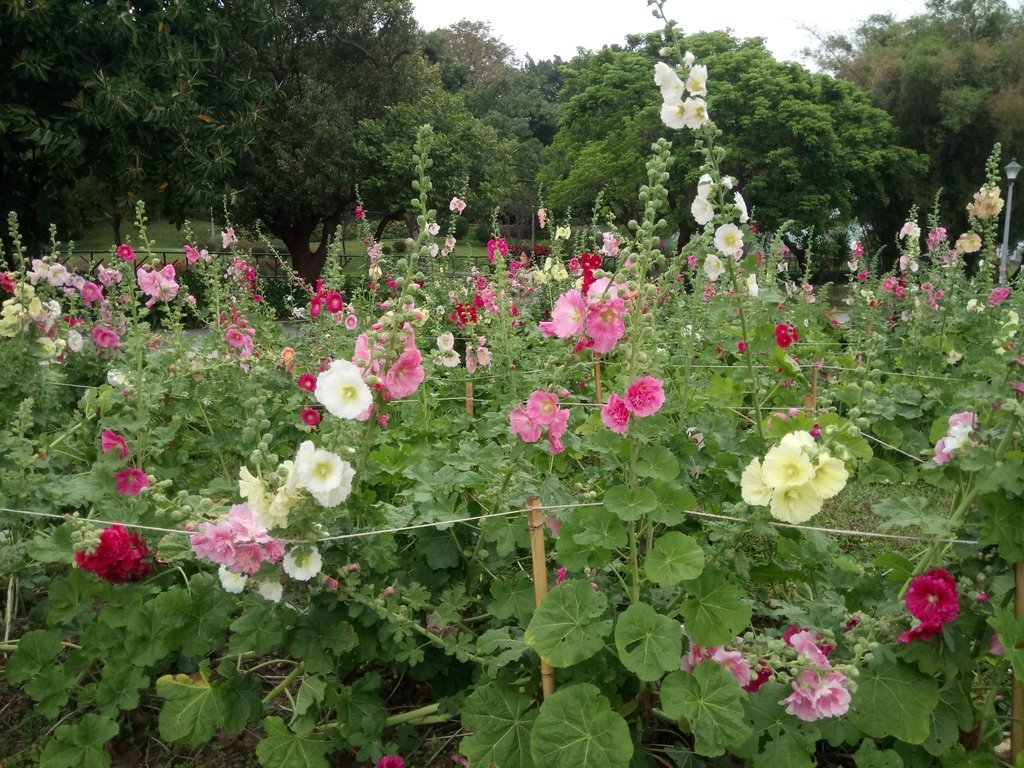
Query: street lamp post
[(1012, 169)]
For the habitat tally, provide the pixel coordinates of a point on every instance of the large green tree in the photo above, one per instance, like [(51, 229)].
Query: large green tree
[(953, 80), (143, 99), (804, 146)]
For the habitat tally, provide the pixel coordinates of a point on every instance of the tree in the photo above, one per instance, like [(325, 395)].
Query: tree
[(337, 65), (804, 146), (148, 100)]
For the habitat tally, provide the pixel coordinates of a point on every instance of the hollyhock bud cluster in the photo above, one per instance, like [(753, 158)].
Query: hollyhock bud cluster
[(644, 397), (932, 599), (119, 557), (961, 427), (795, 479), (541, 414)]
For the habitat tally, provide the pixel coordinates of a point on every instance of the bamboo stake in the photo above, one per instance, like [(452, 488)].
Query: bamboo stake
[(597, 378), (540, 578), (1017, 721), (811, 400), (469, 397)]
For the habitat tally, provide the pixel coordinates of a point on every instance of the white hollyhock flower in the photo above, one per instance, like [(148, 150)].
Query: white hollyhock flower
[(320, 471), (341, 390), (702, 210), (433, 228), (692, 113), (688, 59), (74, 341), (668, 81), (271, 590), (446, 342), (752, 288), (450, 359), (742, 205), (302, 563), (697, 80), (115, 378), (728, 240), (713, 267), (230, 581)]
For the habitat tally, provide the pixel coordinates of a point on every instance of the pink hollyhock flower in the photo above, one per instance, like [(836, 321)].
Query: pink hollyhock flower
[(351, 321), (542, 217), (734, 663), (831, 698), (129, 482), (107, 276), (800, 703), (696, 654), (995, 645), (554, 525), (307, 381), (159, 285), (560, 576), (568, 315), (556, 429), (998, 296), (405, 374), (227, 237), (310, 416), (922, 631), (118, 558), (741, 347), (523, 426), (215, 543), (105, 338), (645, 396), (605, 324), (390, 761), (335, 303), (456, 205), (932, 597), (125, 252), (615, 414), (541, 407), (91, 292), (803, 643), (110, 441)]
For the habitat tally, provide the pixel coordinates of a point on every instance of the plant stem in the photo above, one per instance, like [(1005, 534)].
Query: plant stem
[(284, 683)]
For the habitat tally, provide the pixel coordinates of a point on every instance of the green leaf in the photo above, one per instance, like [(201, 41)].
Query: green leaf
[(281, 748), (512, 597), (718, 611), (576, 728), (500, 644), (657, 463), (320, 638), (207, 609), (783, 740), (80, 745), (630, 503), (870, 756), (50, 689), (568, 626), (257, 630), (500, 719), (675, 557), (119, 688), (898, 567), (599, 528), (360, 710), (1000, 525), (239, 697), (953, 715), (190, 711), (649, 644), (72, 596), (912, 511), (36, 651), (1011, 635), (311, 694), (894, 699), (712, 702)]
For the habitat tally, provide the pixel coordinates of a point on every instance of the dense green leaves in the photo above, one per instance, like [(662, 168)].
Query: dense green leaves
[(576, 728), (569, 626), (710, 700), (281, 748), (894, 699), (80, 744), (500, 720)]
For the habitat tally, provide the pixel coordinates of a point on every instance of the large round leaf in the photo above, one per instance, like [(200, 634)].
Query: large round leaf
[(500, 719), (568, 628), (675, 557), (630, 503), (649, 643), (718, 611), (712, 702), (576, 728)]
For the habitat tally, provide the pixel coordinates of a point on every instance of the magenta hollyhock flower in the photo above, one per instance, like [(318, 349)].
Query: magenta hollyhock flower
[(91, 292), (105, 338), (923, 631), (406, 374), (125, 252), (391, 761), (335, 303), (645, 396), (606, 324), (560, 576), (932, 597), (998, 296), (615, 414), (785, 335), (568, 315), (110, 441), (541, 407), (741, 347), (310, 416), (523, 426), (129, 482), (307, 381)]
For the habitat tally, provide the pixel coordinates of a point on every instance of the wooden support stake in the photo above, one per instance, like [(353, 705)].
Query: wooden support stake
[(469, 397), (597, 379), (1017, 720), (811, 400), (540, 578)]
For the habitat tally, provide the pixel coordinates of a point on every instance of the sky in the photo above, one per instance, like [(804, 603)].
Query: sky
[(546, 28)]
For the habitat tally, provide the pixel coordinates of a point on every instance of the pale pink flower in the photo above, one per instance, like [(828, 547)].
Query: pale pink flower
[(645, 396), (483, 356), (615, 414), (734, 663), (523, 426), (831, 698), (227, 237), (159, 285), (456, 205), (568, 315), (696, 654), (803, 643), (542, 217), (406, 374), (107, 276), (351, 322), (541, 407), (606, 324)]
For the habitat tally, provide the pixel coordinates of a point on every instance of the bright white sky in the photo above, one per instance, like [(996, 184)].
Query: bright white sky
[(546, 28)]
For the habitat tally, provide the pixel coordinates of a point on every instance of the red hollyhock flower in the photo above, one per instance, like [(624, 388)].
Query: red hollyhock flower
[(119, 557), (311, 416), (764, 674), (307, 381), (130, 482), (923, 631), (785, 335), (932, 597)]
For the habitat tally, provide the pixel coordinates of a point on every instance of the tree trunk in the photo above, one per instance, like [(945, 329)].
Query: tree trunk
[(307, 262), (387, 219), (115, 223)]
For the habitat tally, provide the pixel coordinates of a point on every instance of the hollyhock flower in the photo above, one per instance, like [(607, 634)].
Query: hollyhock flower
[(456, 205), (986, 204), (91, 292), (541, 407), (125, 251), (615, 414), (561, 575), (159, 285), (483, 356), (830, 475), (831, 698), (75, 341), (922, 631), (606, 324), (271, 591), (523, 426), (390, 761), (932, 597), (645, 396), (118, 558), (753, 487), (406, 374), (741, 347), (734, 663), (302, 563), (762, 676), (998, 296), (342, 391), (324, 474), (610, 246), (542, 217), (334, 302), (961, 426), (785, 335), (449, 359), (803, 642), (696, 654), (968, 242), (105, 338), (351, 322), (692, 113), (310, 416), (230, 582), (110, 441), (713, 267), (910, 229), (728, 239), (446, 342), (131, 481), (787, 466), (702, 210), (307, 381), (227, 237), (667, 80), (752, 288), (741, 206), (796, 504)]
